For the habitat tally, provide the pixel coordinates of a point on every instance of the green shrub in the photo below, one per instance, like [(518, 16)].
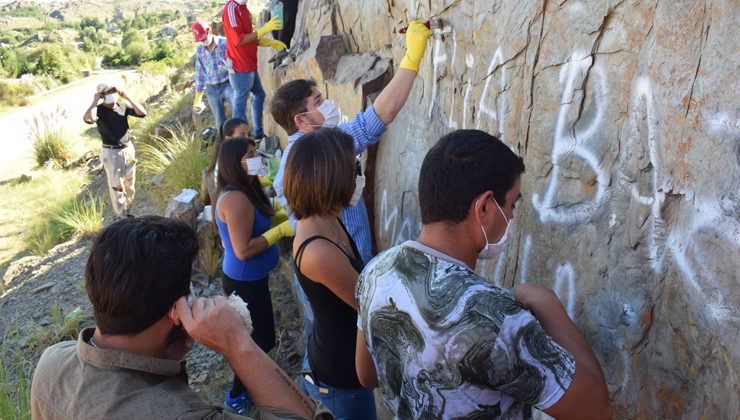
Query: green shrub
[(15, 93), (49, 140), (178, 159), (82, 217), (15, 394), (39, 243), (52, 61), (137, 52)]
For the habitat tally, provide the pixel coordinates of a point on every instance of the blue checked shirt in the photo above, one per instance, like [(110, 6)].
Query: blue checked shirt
[(366, 130), (210, 66)]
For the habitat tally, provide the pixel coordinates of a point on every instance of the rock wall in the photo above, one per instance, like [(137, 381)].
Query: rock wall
[(624, 114)]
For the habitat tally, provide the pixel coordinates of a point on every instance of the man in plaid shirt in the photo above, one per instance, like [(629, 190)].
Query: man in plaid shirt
[(211, 73)]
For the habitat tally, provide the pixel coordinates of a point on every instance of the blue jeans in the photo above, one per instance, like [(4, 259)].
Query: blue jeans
[(217, 95), (242, 84), (345, 404)]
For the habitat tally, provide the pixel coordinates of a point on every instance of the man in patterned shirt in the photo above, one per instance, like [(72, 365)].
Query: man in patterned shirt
[(446, 342), (211, 75)]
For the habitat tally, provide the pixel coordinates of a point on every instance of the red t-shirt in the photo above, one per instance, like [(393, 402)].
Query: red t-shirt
[(237, 23)]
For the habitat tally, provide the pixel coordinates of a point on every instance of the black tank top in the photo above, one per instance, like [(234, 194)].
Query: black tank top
[(331, 345)]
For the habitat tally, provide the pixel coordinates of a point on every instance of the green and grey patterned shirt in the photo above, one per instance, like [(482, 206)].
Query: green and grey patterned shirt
[(447, 344)]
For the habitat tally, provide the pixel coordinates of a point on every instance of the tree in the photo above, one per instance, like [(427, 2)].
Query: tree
[(51, 62)]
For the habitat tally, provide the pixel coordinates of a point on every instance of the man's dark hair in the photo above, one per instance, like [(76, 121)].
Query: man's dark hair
[(226, 130), (138, 267), (462, 165), (290, 100)]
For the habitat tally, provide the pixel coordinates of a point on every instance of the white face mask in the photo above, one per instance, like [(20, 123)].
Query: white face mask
[(208, 40), (330, 111), (359, 187), (491, 251), (256, 167), (111, 98)]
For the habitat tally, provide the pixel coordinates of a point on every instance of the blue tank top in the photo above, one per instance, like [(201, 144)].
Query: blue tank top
[(257, 267)]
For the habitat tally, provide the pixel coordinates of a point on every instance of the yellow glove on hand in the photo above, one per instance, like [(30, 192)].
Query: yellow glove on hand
[(273, 25), (280, 231), (198, 103), (279, 217), (276, 205), (265, 181), (416, 43), (272, 43)]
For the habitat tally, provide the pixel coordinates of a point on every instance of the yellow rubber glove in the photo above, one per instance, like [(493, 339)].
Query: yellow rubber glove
[(265, 181), (416, 44), (279, 217), (276, 204), (273, 25), (198, 103), (280, 231), (272, 43)]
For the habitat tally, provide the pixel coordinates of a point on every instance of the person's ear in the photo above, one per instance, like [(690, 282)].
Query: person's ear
[(481, 208), (173, 314), (299, 121)]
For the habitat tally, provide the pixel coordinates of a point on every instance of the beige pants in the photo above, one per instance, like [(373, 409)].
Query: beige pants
[(120, 169)]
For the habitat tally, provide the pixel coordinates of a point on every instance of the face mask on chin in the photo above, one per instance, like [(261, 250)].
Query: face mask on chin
[(209, 39), (492, 251), (329, 111)]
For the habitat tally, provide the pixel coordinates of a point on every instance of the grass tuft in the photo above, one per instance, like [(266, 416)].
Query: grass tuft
[(82, 217), (46, 130), (178, 159)]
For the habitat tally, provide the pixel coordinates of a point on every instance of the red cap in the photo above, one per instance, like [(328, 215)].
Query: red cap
[(200, 31)]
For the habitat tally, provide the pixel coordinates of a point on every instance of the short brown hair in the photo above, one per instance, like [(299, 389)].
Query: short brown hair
[(290, 100), (320, 173)]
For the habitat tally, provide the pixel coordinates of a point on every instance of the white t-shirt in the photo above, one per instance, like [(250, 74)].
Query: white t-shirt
[(446, 343)]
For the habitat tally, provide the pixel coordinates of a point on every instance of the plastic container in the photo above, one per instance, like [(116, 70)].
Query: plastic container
[(277, 10)]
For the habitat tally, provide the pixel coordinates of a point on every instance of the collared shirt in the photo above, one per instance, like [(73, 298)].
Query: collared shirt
[(210, 66), (366, 130), (74, 380), (448, 344), (237, 24)]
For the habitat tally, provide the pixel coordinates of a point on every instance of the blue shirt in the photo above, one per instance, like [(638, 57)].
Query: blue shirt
[(366, 130), (210, 66), (257, 267)]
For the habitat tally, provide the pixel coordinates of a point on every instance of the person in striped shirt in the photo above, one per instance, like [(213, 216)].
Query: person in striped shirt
[(211, 75)]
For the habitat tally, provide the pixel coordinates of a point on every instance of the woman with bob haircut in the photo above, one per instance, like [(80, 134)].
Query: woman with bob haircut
[(319, 183), (244, 217)]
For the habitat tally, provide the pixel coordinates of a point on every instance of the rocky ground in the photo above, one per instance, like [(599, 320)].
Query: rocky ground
[(41, 291)]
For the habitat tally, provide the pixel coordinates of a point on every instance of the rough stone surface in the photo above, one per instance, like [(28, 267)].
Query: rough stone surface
[(185, 206), (627, 117)]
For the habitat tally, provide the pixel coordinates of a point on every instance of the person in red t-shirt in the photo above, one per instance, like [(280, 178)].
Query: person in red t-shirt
[(241, 50)]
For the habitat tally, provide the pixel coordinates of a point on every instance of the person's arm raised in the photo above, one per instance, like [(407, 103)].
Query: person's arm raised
[(394, 96), (587, 396), (88, 117), (215, 324)]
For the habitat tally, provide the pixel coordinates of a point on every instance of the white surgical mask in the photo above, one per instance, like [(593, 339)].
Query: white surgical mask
[(359, 186), (256, 167), (208, 40), (111, 98), (330, 111), (491, 251)]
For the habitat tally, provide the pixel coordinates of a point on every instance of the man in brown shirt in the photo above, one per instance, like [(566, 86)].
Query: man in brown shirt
[(129, 366)]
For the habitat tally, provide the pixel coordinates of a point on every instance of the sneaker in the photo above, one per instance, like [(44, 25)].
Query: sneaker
[(241, 404)]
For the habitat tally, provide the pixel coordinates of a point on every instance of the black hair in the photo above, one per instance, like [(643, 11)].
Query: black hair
[(137, 269), (225, 130), (460, 166), (231, 175)]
